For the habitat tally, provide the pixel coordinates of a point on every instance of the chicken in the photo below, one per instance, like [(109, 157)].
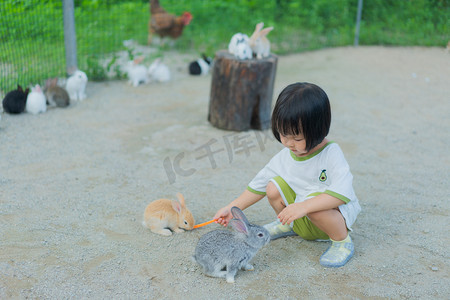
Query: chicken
[(164, 24)]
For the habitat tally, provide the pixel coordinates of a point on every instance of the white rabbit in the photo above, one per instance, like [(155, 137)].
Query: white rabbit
[(36, 102), (159, 72), (258, 41), (237, 39), (243, 51), (136, 72), (76, 85), (239, 46), (222, 253)]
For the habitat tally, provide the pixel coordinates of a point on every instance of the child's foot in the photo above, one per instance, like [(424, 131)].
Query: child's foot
[(338, 254), (278, 230)]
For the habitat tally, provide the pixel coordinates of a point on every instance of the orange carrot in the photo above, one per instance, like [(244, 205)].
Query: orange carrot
[(203, 224)]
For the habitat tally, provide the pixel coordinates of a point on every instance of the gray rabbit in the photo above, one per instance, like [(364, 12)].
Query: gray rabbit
[(56, 95), (222, 253)]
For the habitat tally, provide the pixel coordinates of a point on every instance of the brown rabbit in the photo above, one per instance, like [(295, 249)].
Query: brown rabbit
[(258, 41), (163, 216), (56, 96)]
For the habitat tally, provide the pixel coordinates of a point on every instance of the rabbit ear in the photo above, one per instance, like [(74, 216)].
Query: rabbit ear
[(51, 82), (181, 199), (238, 214), (239, 226), (259, 26), (138, 60), (176, 206), (265, 31)]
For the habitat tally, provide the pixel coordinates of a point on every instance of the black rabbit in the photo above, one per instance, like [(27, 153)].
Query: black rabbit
[(15, 101), (200, 66)]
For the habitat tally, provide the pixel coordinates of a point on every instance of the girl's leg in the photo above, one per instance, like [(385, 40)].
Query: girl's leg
[(274, 197), (332, 223), (276, 229)]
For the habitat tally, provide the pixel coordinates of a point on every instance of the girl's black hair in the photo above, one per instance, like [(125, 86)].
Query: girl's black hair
[(302, 108)]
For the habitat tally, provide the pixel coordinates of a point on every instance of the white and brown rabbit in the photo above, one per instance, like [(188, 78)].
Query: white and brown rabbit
[(164, 216), (222, 253), (56, 95), (258, 41)]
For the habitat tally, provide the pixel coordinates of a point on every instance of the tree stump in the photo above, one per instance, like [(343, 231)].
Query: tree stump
[(241, 92)]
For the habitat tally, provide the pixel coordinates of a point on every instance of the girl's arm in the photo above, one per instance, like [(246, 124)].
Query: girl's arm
[(298, 210), (245, 200)]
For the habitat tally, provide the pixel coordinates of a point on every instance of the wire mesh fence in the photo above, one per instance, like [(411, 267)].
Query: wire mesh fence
[(32, 45)]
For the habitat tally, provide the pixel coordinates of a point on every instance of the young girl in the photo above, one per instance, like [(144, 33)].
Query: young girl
[(308, 183)]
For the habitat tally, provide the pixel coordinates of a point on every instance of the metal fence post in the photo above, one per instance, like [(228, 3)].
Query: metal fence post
[(70, 40), (358, 22)]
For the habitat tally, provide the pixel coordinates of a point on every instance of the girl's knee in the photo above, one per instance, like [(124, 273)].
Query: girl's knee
[(326, 215), (272, 191), (315, 216), (320, 215)]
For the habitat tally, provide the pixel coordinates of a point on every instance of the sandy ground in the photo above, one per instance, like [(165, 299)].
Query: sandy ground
[(74, 184)]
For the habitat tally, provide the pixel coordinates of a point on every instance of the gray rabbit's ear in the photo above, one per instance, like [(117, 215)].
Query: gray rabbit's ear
[(239, 226), (239, 214)]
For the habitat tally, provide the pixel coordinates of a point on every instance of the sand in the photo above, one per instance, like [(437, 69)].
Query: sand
[(74, 184)]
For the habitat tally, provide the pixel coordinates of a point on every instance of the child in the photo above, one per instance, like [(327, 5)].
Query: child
[(308, 183)]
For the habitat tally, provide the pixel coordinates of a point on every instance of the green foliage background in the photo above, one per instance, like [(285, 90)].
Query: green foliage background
[(32, 38)]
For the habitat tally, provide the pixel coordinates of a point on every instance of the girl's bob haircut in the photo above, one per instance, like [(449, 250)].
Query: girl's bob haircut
[(302, 108)]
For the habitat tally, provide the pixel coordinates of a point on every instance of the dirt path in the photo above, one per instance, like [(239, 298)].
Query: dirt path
[(74, 184)]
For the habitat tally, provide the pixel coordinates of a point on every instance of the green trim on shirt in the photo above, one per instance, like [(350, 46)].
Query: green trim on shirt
[(303, 158), (339, 196), (314, 194), (331, 193), (255, 192)]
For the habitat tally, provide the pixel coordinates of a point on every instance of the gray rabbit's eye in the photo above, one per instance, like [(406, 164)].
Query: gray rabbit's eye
[(260, 234)]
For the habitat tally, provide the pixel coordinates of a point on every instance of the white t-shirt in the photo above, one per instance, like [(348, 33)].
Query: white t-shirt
[(324, 171)]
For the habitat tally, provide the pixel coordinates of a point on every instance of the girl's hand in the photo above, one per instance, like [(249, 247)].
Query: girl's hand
[(291, 213), (223, 216)]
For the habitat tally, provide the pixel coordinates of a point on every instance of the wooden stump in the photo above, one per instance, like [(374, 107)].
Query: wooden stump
[(241, 92)]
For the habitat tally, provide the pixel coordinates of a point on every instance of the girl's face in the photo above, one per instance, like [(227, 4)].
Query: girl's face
[(295, 143)]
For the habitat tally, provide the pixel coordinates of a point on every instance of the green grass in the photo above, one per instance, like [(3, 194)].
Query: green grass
[(32, 41)]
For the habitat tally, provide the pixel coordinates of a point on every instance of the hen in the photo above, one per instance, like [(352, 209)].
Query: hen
[(164, 24)]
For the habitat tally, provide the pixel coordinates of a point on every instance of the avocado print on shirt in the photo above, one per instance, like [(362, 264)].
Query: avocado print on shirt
[(323, 176)]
